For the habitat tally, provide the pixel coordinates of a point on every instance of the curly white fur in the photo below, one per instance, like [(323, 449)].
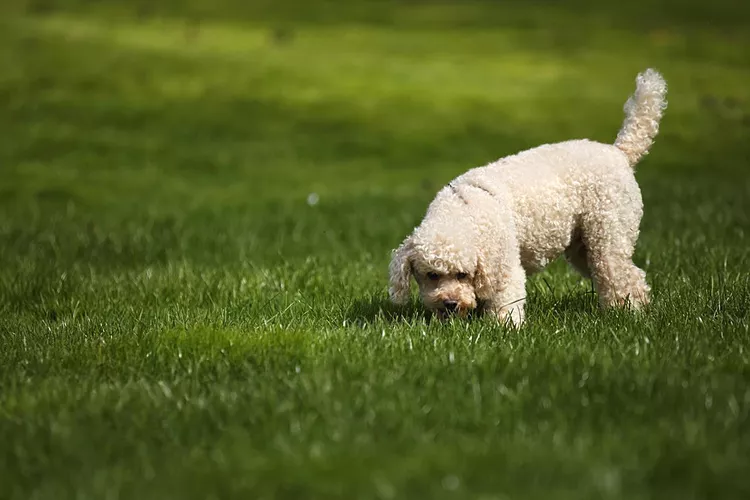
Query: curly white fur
[(492, 226)]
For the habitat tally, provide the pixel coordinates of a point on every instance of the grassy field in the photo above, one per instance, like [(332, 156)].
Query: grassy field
[(177, 321)]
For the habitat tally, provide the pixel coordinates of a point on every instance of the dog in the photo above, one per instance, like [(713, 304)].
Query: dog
[(493, 226)]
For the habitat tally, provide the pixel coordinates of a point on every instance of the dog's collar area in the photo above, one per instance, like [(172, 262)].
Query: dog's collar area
[(476, 186), (460, 196)]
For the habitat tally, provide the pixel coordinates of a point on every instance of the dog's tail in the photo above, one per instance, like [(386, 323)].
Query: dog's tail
[(643, 111)]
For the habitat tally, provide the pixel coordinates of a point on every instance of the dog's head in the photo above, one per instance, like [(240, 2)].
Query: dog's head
[(447, 266)]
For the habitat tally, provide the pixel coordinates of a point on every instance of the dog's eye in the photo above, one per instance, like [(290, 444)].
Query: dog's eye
[(461, 276), (433, 276)]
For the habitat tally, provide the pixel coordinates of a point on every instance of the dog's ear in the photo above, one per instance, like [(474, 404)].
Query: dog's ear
[(400, 272)]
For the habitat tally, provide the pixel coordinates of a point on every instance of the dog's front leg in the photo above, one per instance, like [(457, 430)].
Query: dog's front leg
[(500, 280), (508, 301)]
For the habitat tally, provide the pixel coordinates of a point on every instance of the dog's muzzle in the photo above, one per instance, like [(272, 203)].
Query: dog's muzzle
[(450, 305)]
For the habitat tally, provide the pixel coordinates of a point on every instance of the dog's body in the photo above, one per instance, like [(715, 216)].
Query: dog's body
[(492, 226)]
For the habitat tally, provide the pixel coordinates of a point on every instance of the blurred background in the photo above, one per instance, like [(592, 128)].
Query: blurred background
[(179, 101)]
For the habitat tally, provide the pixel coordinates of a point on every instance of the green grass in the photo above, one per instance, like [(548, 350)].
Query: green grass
[(177, 322)]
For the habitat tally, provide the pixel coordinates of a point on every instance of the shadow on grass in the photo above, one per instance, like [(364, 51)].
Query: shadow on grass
[(371, 309)]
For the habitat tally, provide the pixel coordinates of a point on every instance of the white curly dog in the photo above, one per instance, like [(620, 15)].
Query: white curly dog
[(494, 225)]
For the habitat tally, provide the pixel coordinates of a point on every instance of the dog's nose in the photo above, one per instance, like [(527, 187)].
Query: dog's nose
[(450, 305)]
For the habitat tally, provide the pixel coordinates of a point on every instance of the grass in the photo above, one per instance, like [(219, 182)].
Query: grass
[(176, 321)]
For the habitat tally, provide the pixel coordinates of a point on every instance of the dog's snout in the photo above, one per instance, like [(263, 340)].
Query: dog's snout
[(450, 305)]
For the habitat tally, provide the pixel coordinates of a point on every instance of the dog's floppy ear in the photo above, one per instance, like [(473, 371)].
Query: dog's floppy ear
[(400, 272)]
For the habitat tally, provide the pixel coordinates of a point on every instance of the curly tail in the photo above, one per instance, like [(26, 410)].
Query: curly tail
[(643, 111)]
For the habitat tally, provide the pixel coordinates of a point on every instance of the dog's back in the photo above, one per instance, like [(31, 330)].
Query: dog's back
[(549, 187)]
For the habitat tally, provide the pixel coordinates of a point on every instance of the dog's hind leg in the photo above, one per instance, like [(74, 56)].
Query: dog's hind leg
[(609, 241)]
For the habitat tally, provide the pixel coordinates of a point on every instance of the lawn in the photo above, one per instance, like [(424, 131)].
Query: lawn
[(177, 320)]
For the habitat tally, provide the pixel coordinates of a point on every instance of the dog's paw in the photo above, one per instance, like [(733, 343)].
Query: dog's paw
[(637, 300), (509, 316)]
